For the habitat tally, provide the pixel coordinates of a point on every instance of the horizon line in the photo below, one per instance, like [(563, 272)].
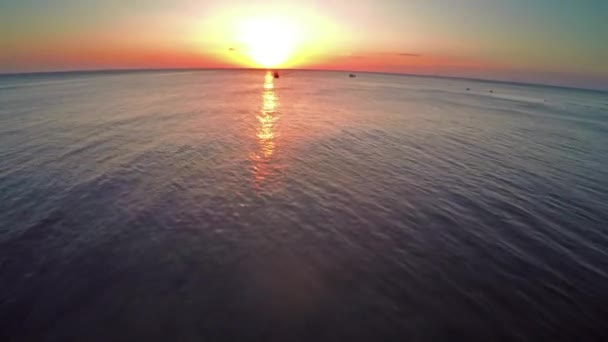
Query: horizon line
[(464, 78)]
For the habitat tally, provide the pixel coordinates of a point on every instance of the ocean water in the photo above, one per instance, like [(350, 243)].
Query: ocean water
[(231, 206)]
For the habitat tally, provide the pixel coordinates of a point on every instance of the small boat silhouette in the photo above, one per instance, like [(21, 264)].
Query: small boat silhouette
[(276, 74), (352, 75)]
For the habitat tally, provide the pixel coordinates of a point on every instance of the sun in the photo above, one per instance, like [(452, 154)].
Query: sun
[(269, 41)]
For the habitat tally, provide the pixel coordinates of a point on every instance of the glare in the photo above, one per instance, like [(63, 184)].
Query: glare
[(269, 41)]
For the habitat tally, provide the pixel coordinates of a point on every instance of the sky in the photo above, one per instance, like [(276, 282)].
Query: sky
[(561, 42)]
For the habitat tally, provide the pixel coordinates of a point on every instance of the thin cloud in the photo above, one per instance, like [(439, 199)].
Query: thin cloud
[(399, 54), (408, 54)]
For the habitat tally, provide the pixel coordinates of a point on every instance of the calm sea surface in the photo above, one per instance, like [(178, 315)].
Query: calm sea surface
[(230, 206)]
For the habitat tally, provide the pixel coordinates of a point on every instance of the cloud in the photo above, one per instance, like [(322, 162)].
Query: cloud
[(408, 54), (399, 54)]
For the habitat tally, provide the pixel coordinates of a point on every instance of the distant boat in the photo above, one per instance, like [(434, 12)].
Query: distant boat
[(276, 74), (352, 75)]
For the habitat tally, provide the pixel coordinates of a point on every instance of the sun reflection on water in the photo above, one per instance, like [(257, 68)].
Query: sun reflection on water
[(267, 120)]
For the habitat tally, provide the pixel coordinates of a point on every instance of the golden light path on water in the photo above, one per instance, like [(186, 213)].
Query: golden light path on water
[(267, 120)]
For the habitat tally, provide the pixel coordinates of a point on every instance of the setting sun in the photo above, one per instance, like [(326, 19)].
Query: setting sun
[(269, 41), (303, 170)]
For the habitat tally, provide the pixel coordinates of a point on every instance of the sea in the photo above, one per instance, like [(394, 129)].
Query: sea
[(229, 205)]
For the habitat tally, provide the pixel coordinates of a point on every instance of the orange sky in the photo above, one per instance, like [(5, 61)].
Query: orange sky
[(517, 40)]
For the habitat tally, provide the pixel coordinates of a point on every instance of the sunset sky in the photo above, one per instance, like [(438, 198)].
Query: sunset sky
[(546, 41)]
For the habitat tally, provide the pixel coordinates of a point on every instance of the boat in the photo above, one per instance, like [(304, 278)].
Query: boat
[(276, 74), (352, 75)]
